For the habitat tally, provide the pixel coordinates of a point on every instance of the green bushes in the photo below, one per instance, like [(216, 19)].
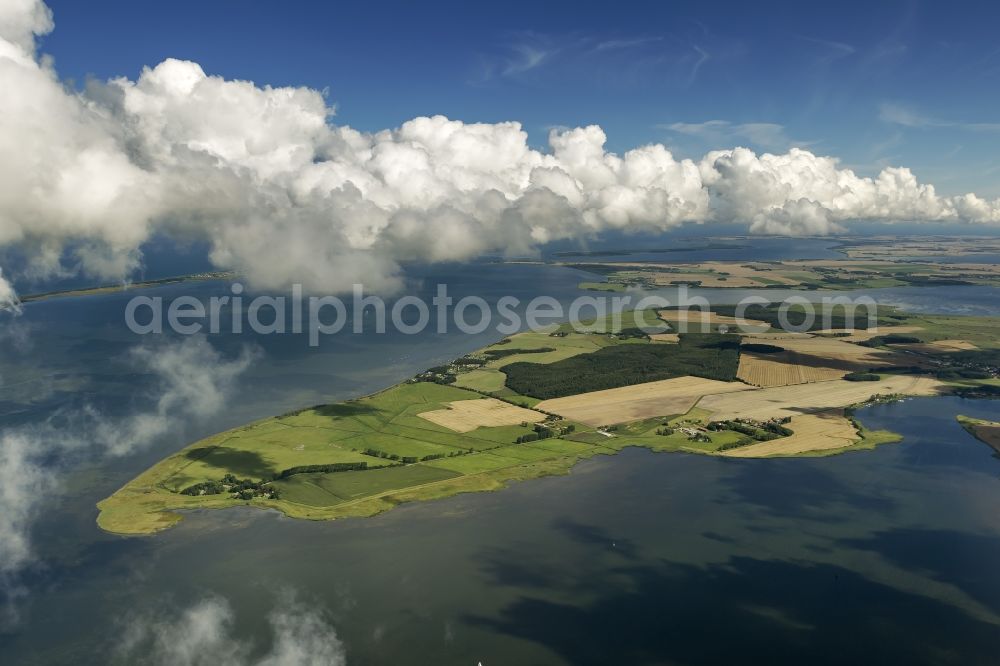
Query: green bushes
[(541, 432), (862, 377), (244, 489), (206, 488), (756, 431), (710, 355), (441, 374), (324, 469), (743, 441), (494, 354), (445, 374), (376, 453), (631, 333), (892, 339)]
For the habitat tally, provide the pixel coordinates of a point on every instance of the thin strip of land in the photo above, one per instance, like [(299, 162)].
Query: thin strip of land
[(985, 431), (127, 286)]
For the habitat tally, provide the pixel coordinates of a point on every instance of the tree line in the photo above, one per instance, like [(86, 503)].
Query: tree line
[(709, 355)]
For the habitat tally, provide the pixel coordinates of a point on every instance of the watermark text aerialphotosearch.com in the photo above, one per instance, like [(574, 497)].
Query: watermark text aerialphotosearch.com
[(319, 316)]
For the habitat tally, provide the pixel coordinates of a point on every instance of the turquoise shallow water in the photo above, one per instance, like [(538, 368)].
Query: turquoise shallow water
[(635, 558)]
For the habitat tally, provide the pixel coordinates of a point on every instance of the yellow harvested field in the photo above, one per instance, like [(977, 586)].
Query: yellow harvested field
[(838, 263), (665, 337), (751, 272), (860, 335), (467, 415), (812, 432), (705, 280), (957, 345), (770, 336), (712, 273), (693, 320), (781, 401), (562, 347), (782, 369), (835, 353), (640, 401), (988, 432)]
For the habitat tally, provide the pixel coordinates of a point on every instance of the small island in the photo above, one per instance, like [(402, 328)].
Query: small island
[(537, 403)]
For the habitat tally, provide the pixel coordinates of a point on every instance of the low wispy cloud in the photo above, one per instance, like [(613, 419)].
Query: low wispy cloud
[(665, 59), (830, 50), (516, 57), (898, 114), (628, 43), (193, 381), (701, 56), (526, 57), (770, 136), (203, 634)]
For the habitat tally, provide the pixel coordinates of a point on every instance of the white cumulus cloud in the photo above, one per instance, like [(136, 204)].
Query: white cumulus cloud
[(8, 297), (283, 194), (203, 635)]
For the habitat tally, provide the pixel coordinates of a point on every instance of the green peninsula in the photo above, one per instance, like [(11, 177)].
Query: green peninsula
[(537, 403)]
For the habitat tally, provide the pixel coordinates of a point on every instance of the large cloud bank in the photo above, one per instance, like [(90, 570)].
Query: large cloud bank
[(285, 195)]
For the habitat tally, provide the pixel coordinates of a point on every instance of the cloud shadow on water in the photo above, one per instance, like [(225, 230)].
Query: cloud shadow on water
[(590, 535), (799, 488), (964, 560), (745, 611)]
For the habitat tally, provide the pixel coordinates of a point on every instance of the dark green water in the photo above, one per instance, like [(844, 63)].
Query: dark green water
[(640, 558), (888, 555)]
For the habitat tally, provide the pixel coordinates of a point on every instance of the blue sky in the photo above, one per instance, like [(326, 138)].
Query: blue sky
[(874, 84)]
